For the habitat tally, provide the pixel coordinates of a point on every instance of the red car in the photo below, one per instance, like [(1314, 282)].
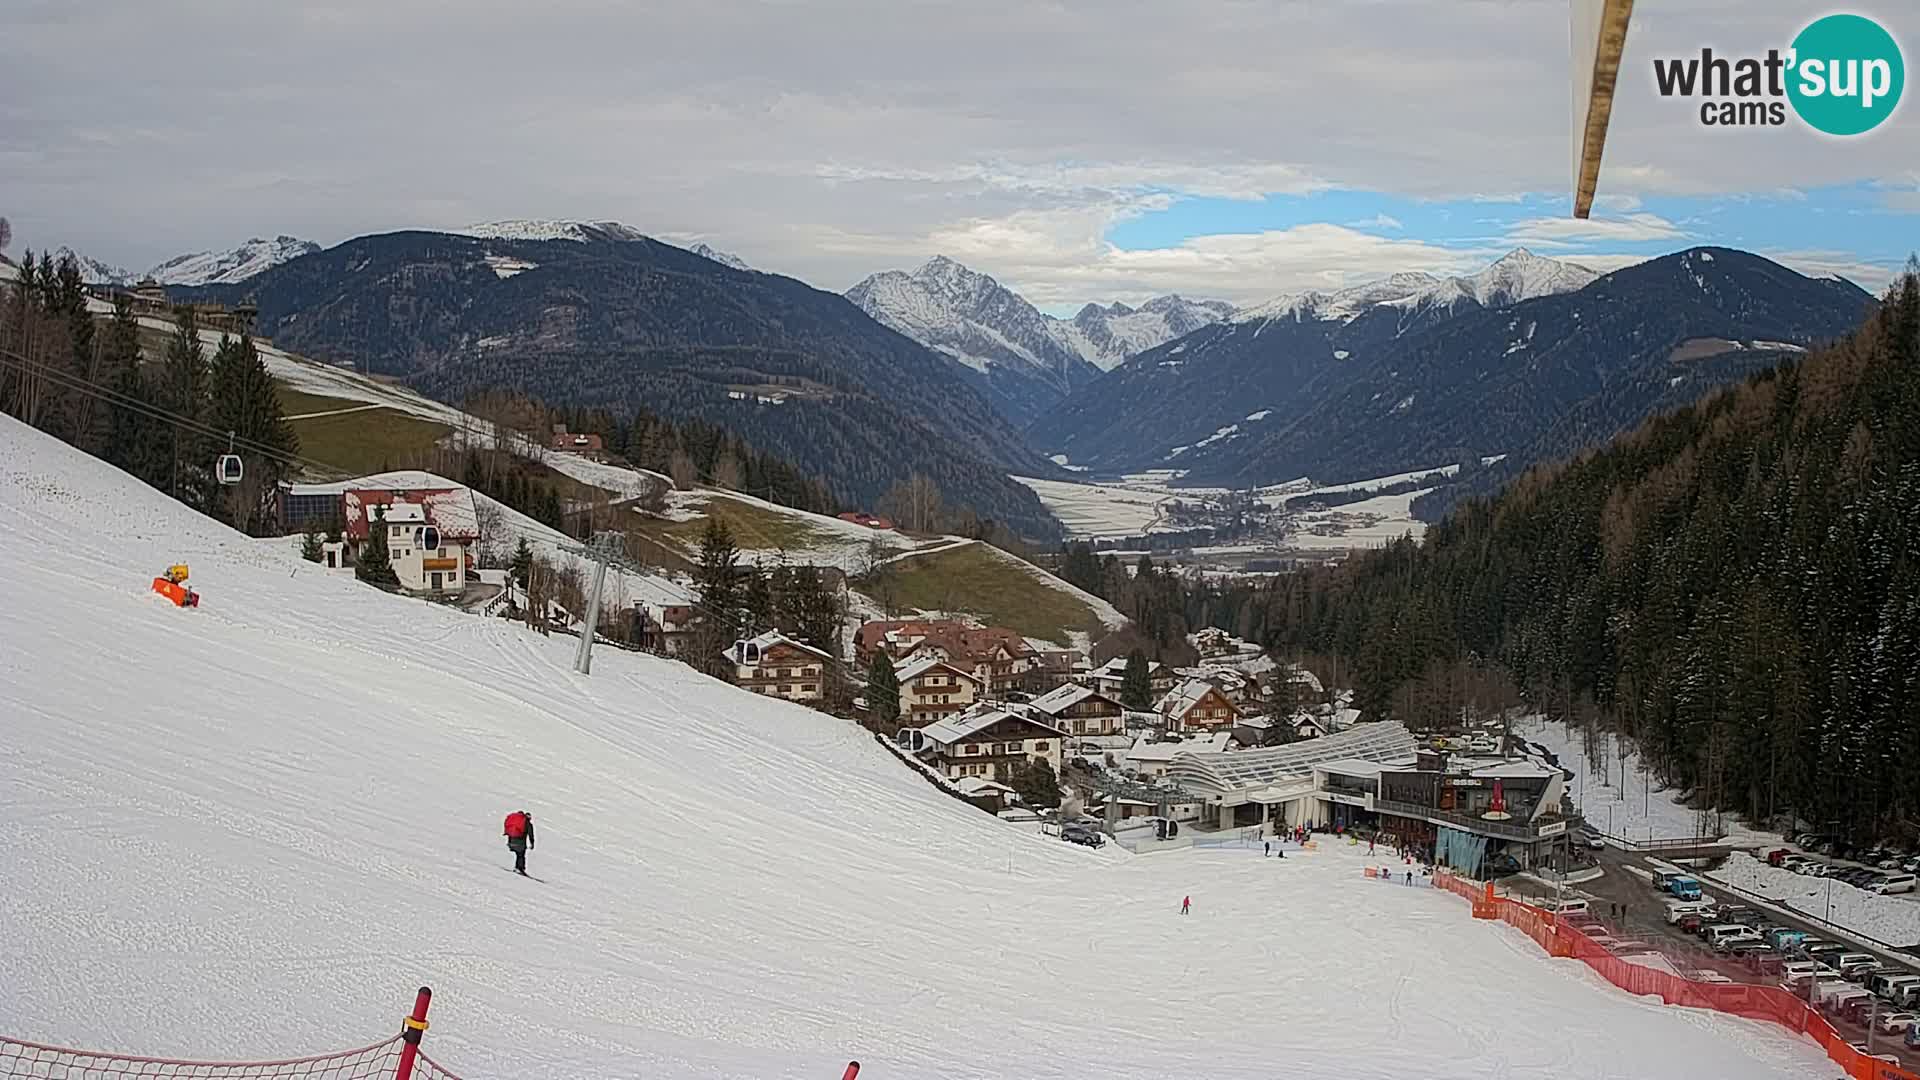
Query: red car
[(1777, 855)]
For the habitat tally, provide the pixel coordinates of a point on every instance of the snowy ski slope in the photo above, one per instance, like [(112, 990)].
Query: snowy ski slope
[(251, 829)]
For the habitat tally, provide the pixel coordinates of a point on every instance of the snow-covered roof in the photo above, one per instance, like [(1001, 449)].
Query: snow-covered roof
[(1247, 769), (980, 785), (403, 513), (1516, 770), (913, 669), (451, 509), (1060, 699), (1145, 751), (960, 728), (1352, 767), (1185, 696)]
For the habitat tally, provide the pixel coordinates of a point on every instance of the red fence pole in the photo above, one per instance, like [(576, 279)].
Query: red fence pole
[(853, 1070), (411, 1029)]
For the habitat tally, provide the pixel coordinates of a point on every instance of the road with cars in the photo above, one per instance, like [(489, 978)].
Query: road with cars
[(1640, 915)]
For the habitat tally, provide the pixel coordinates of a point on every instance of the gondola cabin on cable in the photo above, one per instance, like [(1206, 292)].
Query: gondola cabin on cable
[(228, 470)]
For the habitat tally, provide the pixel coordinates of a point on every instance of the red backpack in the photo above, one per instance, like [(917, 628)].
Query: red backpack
[(517, 823)]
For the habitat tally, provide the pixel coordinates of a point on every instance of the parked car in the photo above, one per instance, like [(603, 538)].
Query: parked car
[(1903, 882), (1679, 909), (1777, 855), (1630, 948), (1895, 1023), (1082, 835), (1890, 985), (1707, 975), (1851, 964), (1691, 923), (1794, 863)]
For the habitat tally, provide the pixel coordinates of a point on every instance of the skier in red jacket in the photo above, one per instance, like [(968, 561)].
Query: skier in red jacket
[(519, 833)]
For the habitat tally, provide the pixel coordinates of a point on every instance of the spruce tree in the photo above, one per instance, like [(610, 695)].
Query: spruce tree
[(247, 403), (1036, 784), (756, 600), (310, 545), (374, 565), (135, 441), (883, 693), (1136, 686), (183, 391), (522, 563)]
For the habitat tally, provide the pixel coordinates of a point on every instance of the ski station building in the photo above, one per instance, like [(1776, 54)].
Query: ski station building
[(1469, 812)]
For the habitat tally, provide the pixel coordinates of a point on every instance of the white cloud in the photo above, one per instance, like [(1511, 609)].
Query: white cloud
[(1568, 233), (1377, 221), (831, 138), (1871, 276)]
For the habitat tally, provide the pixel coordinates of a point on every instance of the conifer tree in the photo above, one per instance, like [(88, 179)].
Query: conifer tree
[(183, 391), (135, 441), (1136, 686), (883, 693), (374, 564), (1036, 784), (246, 403), (522, 563), (310, 542)]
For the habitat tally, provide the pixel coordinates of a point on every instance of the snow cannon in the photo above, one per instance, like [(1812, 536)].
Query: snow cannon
[(173, 585)]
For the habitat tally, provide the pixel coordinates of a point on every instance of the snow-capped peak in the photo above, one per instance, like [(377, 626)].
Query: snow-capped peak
[(577, 231), (966, 314), (93, 271), (724, 258), (1516, 276), (227, 267)]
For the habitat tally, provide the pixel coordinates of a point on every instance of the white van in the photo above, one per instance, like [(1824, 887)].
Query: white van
[(1569, 906), (1726, 935), (1895, 883), (1890, 985)]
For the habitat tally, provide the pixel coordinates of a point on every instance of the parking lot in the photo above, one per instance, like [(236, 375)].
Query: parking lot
[(1641, 917)]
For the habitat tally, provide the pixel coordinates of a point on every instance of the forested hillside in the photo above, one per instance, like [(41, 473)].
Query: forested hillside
[(1737, 584)]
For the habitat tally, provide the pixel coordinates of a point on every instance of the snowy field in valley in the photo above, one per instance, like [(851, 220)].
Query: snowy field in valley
[(251, 829), (1618, 798), (1134, 506), (1894, 920), (1369, 523)]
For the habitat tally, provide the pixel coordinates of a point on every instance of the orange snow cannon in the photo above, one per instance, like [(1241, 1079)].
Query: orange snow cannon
[(173, 586)]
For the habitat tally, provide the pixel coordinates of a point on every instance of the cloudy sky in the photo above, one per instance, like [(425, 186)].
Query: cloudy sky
[(1078, 151)]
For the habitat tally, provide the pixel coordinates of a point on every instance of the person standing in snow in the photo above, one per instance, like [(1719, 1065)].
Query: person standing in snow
[(1186, 902), (519, 832), (1268, 849)]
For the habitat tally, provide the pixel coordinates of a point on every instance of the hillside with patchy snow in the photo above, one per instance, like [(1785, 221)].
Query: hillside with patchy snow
[(285, 806)]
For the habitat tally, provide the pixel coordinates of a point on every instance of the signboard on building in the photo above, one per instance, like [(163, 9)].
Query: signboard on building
[(1554, 829)]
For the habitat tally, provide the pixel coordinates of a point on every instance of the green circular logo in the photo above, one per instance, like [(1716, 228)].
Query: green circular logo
[(1847, 74)]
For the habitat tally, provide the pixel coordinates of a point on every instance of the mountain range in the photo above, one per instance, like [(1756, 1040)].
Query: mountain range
[(1026, 361), (1530, 358), (597, 313), (201, 267)]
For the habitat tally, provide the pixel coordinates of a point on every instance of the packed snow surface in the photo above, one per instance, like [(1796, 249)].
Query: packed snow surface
[(1894, 920), (285, 806), (577, 231), (724, 258)]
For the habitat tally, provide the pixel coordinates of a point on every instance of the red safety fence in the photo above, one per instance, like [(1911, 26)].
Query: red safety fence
[(1769, 1003), (398, 1058)]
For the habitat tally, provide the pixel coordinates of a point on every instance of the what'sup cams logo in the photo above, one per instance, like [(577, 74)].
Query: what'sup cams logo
[(1842, 76)]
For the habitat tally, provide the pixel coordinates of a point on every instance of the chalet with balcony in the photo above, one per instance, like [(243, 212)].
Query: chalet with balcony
[(932, 690), (778, 666), (1197, 705), (1080, 710), (985, 742)]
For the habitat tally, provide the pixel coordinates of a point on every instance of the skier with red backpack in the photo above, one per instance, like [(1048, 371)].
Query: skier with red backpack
[(519, 832)]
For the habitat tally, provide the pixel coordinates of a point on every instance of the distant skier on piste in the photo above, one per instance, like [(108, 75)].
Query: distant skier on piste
[(519, 832)]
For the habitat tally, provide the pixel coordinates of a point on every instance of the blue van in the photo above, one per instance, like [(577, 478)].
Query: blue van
[(1684, 888)]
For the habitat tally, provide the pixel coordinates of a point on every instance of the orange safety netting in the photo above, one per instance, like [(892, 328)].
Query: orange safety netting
[(1769, 1003)]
